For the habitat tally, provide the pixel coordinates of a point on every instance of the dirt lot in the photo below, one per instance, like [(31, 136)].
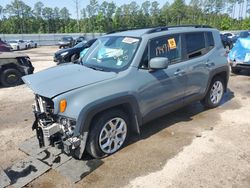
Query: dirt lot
[(191, 147)]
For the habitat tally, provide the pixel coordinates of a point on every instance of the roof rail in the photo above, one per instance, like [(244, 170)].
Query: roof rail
[(157, 29), (128, 29), (165, 28)]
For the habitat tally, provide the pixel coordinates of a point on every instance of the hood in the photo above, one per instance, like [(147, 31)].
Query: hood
[(13, 42), (241, 51), (60, 79)]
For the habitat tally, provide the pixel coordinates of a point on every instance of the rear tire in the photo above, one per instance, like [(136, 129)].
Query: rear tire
[(108, 133), (11, 77), (215, 93)]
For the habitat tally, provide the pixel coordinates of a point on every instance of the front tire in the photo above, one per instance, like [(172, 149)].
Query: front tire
[(11, 77), (74, 58), (215, 93), (109, 132)]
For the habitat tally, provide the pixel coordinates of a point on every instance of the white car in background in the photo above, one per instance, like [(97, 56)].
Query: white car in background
[(31, 44), (18, 44)]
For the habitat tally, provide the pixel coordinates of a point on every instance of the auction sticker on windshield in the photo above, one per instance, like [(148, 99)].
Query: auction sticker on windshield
[(130, 40)]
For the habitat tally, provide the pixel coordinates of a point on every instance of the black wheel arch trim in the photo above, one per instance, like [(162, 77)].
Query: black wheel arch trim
[(88, 112), (219, 70), (12, 66)]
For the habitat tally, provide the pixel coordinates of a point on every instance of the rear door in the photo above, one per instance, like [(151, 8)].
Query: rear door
[(199, 47)]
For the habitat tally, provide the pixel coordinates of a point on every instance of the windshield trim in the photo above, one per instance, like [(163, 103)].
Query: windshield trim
[(119, 69)]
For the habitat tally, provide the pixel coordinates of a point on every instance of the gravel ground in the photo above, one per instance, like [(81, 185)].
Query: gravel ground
[(191, 147)]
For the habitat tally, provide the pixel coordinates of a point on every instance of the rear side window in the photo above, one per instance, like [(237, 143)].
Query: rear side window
[(168, 46), (195, 43)]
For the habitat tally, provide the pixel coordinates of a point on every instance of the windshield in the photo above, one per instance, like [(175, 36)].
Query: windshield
[(66, 38), (111, 52), (81, 44)]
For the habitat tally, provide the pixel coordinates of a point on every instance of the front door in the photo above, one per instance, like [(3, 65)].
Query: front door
[(161, 89)]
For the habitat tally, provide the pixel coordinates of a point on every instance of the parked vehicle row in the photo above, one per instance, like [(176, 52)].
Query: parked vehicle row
[(22, 44)]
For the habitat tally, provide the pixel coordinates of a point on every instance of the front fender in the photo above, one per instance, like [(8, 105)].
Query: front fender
[(89, 111)]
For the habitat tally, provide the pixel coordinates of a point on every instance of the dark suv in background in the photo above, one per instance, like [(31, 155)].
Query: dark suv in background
[(66, 42), (123, 81), (12, 67), (72, 54)]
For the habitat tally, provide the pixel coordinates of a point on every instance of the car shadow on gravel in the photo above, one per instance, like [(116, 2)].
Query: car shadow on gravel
[(4, 87), (184, 114), (242, 73)]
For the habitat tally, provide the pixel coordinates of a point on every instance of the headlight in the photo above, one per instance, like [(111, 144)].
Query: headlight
[(64, 53)]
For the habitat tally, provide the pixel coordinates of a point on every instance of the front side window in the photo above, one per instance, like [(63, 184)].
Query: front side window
[(195, 43), (169, 46), (111, 52)]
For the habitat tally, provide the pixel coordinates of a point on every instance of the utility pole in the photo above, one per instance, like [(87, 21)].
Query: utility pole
[(248, 8), (77, 14)]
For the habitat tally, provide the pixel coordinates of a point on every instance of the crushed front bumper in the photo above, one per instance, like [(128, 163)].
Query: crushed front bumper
[(53, 130), (53, 134)]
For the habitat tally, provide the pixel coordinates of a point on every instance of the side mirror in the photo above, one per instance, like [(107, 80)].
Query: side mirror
[(158, 63)]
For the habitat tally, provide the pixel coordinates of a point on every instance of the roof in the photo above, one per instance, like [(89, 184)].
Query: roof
[(8, 55), (159, 30), (134, 32)]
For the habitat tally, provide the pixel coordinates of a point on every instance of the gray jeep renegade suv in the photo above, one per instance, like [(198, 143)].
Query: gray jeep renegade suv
[(125, 80)]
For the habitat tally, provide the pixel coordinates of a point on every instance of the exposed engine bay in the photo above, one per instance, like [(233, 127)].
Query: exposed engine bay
[(51, 129)]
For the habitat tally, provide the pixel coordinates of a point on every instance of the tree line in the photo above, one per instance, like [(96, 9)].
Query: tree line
[(18, 17)]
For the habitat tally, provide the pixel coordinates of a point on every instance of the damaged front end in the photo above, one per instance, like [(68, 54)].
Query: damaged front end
[(51, 129)]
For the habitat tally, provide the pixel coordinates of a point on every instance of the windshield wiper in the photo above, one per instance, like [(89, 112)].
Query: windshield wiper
[(96, 68)]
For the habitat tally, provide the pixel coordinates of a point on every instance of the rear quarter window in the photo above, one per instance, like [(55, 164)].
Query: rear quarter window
[(210, 40)]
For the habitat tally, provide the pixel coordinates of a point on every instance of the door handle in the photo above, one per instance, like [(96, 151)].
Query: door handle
[(179, 72)]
